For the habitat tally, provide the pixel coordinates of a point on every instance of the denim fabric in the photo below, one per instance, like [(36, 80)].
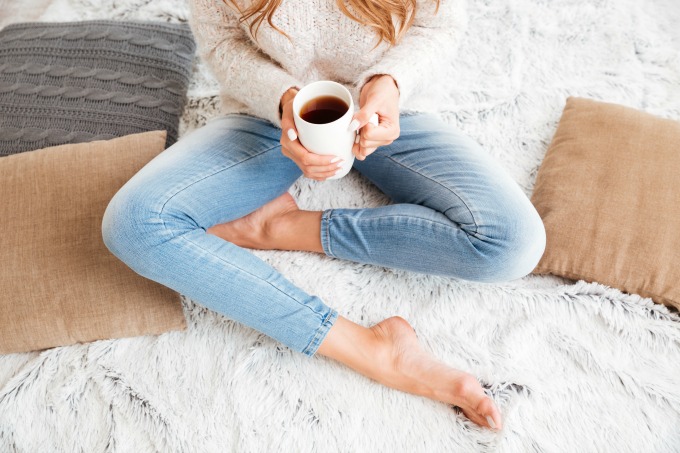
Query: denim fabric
[(456, 213)]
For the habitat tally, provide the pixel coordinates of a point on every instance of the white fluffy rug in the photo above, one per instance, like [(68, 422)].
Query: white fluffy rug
[(573, 366)]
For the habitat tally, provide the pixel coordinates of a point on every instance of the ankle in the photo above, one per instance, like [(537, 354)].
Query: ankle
[(353, 345), (274, 228), (294, 230)]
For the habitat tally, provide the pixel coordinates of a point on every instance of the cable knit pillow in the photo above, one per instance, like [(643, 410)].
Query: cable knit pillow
[(59, 283), (75, 82), (609, 197)]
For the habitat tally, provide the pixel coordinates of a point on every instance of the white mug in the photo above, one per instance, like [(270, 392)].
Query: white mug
[(332, 138)]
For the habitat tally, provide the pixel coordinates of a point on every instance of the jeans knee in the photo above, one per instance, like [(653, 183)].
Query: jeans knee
[(519, 250), (528, 248), (127, 217), (116, 218)]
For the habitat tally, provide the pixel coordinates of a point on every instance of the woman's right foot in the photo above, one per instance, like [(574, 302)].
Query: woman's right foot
[(251, 231), (278, 225), (390, 353)]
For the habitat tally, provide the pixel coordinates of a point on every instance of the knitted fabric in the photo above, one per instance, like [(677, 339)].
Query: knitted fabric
[(324, 45), (74, 82)]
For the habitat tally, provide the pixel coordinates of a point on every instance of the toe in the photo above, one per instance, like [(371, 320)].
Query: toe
[(474, 416), (488, 411)]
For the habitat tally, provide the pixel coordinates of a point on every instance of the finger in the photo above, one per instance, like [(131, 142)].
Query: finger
[(323, 175), (363, 116), (324, 168), (358, 153), (287, 118), (365, 152), (373, 143), (356, 149), (307, 158), (288, 135), (291, 134), (386, 131)]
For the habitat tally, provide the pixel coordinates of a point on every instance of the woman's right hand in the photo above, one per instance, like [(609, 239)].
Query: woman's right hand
[(314, 166)]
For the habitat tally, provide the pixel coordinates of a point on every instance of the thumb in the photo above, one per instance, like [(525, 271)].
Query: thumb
[(365, 115)]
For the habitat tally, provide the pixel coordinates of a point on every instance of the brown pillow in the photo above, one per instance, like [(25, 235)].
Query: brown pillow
[(609, 197), (59, 283)]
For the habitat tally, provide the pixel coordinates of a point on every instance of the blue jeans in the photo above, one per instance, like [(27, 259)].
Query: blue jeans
[(456, 213)]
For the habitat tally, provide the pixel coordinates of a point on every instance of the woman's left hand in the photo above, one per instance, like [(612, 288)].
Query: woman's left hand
[(379, 95)]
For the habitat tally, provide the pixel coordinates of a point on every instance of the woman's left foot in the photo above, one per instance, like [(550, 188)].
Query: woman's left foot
[(409, 367), (391, 354)]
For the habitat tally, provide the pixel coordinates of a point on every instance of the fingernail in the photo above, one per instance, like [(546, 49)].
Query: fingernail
[(292, 135), (354, 125), (337, 159), (356, 140), (490, 421)]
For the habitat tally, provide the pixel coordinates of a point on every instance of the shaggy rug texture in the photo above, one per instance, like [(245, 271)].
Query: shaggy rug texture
[(573, 366)]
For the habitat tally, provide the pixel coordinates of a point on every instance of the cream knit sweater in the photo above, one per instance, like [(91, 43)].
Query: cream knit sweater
[(325, 45)]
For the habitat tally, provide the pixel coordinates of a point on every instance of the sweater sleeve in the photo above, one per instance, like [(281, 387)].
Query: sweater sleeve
[(242, 69), (431, 40)]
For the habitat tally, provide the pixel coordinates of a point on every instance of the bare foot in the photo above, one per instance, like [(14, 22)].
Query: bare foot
[(251, 231), (406, 366)]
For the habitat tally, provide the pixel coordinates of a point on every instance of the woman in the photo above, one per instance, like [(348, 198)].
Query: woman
[(186, 219)]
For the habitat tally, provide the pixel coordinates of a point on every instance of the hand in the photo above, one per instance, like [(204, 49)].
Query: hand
[(313, 166), (379, 95)]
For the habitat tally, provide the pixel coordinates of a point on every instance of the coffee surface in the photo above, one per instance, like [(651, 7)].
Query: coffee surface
[(323, 109)]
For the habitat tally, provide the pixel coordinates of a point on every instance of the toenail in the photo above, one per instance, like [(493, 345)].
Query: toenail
[(490, 421)]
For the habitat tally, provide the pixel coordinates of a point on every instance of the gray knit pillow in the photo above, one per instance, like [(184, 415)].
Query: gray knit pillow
[(73, 82)]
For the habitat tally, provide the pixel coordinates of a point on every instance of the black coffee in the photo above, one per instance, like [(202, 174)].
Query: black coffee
[(323, 109)]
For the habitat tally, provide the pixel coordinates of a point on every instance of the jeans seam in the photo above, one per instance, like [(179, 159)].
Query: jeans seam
[(327, 221), (445, 225), (443, 186), (433, 222), (252, 275), (314, 339), (160, 212)]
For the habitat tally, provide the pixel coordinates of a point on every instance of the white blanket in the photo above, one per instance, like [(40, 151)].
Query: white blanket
[(573, 366)]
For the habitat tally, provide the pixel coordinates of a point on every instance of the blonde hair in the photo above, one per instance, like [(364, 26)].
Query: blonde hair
[(378, 14)]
